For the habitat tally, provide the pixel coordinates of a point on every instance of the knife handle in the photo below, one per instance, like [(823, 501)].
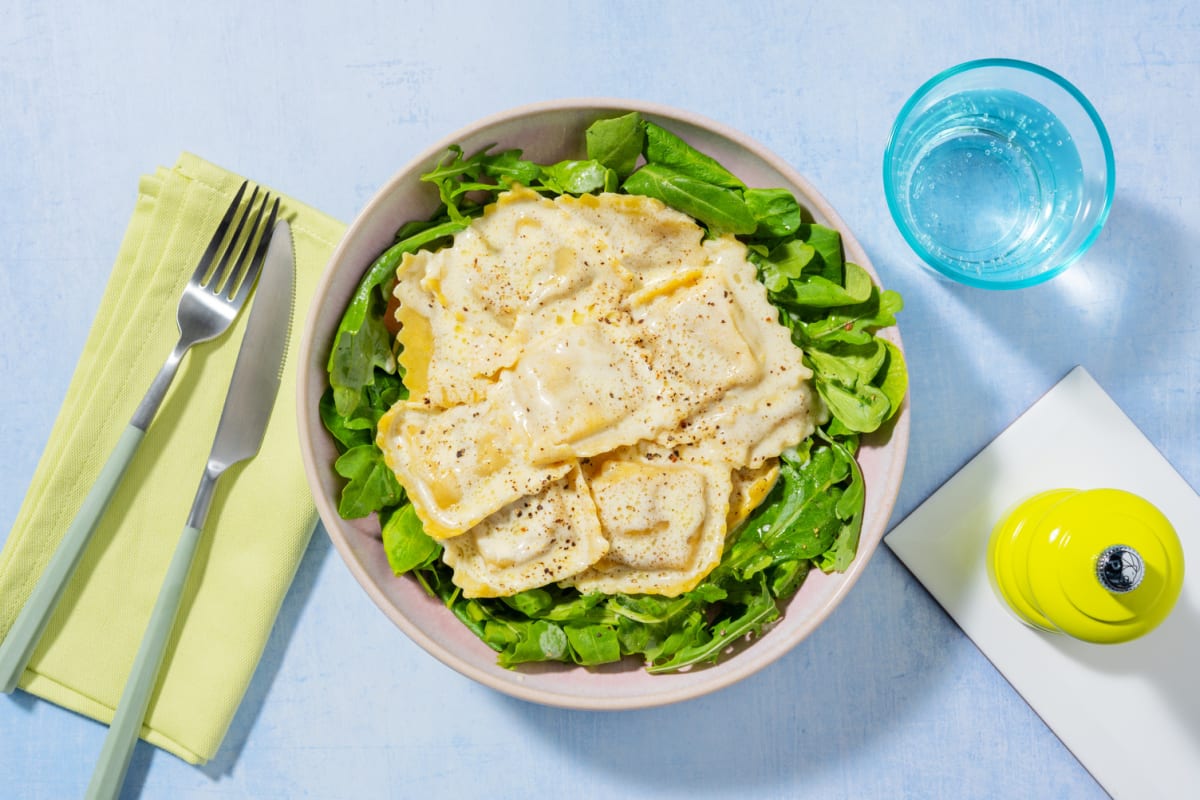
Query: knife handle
[(135, 697), (27, 629)]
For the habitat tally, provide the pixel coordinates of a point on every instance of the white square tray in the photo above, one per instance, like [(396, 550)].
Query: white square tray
[(1130, 712)]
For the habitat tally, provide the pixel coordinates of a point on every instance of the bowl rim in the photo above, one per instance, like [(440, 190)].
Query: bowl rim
[(890, 189), (734, 670)]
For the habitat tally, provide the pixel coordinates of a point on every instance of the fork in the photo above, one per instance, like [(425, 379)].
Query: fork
[(210, 302)]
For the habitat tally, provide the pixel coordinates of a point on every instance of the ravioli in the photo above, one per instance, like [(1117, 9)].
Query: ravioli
[(583, 390), (596, 395), (536, 540), (462, 464), (664, 516), (753, 422)]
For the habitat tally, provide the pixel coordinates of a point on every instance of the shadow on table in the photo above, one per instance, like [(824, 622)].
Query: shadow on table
[(1115, 311), (978, 358), (853, 680), (1164, 660), (23, 700), (260, 685)]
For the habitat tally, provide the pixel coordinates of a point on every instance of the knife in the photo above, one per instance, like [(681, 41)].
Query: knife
[(252, 391)]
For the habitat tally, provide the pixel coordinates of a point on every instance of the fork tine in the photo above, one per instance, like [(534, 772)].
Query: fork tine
[(214, 244), (240, 271), (217, 280), (260, 255)]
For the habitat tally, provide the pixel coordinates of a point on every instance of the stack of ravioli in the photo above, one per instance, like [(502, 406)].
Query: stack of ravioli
[(597, 394)]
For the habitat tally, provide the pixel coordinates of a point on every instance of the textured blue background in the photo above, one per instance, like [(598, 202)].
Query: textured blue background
[(326, 100)]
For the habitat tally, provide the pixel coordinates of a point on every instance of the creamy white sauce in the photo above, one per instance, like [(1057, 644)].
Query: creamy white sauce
[(586, 375)]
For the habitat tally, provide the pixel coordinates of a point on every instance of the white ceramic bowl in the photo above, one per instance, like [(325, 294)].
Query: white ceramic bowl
[(549, 132)]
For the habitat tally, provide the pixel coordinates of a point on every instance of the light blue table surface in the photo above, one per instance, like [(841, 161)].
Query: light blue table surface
[(325, 101)]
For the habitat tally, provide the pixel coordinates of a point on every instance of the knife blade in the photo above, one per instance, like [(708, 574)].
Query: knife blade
[(244, 418), (256, 375)]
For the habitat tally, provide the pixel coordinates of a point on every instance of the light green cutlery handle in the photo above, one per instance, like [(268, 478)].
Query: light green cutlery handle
[(131, 710), (22, 638)]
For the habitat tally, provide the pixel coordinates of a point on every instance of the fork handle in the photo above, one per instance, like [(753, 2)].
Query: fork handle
[(146, 410), (17, 647), (126, 726), (22, 638)]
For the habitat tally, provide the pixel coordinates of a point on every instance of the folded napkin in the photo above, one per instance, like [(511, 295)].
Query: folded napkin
[(261, 518)]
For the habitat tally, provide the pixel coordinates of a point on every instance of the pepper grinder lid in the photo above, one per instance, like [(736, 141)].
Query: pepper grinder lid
[(1101, 565), (1104, 565)]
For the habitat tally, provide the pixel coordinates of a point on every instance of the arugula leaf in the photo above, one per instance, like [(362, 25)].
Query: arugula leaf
[(531, 602), (809, 292), (356, 353), (449, 176), (689, 630), (405, 542), (849, 364), (839, 557), (667, 150), (616, 143), (892, 379), (850, 324), (508, 167), (578, 177), (797, 519), (646, 623), (758, 607), (345, 436), (593, 644), (786, 576), (371, 486), (457, 175), (828, 244), (383, 392), (776, 211), (436, 581), (783, 264), (536, 640), (361, 343), (860, 408), (722, 210)]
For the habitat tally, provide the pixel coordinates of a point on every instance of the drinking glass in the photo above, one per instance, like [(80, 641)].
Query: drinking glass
[(999, 173)]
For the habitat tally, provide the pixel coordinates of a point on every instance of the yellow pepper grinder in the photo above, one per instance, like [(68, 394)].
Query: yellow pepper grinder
[(1101, 565)]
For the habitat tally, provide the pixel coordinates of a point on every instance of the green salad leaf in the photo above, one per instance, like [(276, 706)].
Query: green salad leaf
[(722, 210), (405, 542), (892, 378), (371, 485), (665, 149), (775, 210), (811, 519), (617, 143), (362, 347), (579, 177)]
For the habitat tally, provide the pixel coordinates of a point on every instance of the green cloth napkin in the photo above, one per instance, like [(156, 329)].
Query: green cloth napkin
[(262, 515)]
